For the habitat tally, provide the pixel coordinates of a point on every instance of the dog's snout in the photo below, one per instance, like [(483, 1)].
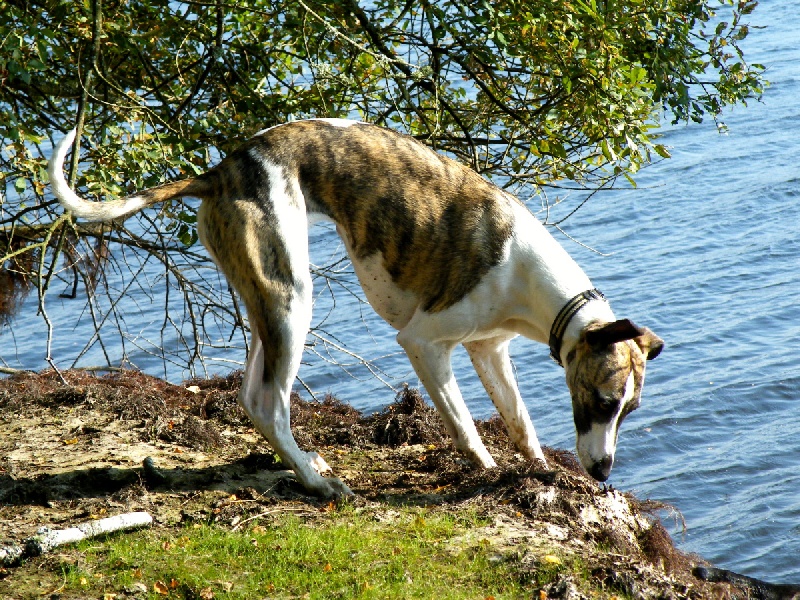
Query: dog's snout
[(602, 469)]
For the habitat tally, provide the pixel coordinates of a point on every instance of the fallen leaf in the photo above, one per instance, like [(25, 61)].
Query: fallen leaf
[(195, 389), (327, 568), (71, 442), (173, 584), (100, 514), (207, 594), (159, 587), (542, 595)]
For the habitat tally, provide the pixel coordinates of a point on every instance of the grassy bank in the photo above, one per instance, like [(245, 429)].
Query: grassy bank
[(347, 554), (231, 522)]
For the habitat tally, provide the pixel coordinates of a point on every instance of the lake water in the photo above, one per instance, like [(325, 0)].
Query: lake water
[(706, 252)]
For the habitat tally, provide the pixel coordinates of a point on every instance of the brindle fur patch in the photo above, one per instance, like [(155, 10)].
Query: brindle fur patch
[(237, 225), (597, 378), (438, 226)]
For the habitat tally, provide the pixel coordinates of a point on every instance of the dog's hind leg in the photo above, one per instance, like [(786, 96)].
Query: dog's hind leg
[(492, 363), (263, 250), (266, 402)]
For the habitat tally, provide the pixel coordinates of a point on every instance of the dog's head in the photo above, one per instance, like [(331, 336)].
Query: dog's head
[(605, 375)]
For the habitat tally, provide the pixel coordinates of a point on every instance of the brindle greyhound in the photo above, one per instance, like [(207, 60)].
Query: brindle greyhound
[(443, 255)]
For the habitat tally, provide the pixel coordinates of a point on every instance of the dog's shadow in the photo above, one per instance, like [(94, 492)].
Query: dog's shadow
[(257, 472), (255, 475)]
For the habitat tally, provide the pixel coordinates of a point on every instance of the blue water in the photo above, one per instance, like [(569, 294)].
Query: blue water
[(706, 253)]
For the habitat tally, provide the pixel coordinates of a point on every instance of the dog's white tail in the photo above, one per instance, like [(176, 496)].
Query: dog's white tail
[(114, 209)]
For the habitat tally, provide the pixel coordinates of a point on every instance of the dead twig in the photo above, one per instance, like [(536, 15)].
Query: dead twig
[(47, 539)]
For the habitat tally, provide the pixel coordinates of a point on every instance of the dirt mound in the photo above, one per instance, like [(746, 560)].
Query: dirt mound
[(126, 441)]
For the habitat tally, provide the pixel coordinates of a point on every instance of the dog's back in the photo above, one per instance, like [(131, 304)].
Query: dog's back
[(437, 225)]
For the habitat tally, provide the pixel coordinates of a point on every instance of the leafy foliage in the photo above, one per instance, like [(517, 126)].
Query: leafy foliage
[(531, 94)]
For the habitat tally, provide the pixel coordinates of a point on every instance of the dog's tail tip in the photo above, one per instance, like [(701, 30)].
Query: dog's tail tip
[(80, 207), (55, 165), (55, 170), (69, 137)]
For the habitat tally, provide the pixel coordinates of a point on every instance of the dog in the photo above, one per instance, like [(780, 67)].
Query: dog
[(442, 254)]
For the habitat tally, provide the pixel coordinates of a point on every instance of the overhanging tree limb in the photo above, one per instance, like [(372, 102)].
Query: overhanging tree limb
[(533, 95)]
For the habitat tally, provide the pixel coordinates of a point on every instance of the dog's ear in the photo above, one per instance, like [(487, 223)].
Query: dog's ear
[(619, 331), (650, 344), (602, 336)]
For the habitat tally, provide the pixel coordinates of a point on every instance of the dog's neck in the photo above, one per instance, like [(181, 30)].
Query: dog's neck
[(565, 316), (554, 278), (593, 311)]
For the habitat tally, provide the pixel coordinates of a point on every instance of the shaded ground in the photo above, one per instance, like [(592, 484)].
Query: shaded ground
[(69, 453)]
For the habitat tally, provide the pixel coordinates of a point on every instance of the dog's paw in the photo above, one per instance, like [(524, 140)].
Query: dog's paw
[(480, 458), (336, 489), (318, 463)]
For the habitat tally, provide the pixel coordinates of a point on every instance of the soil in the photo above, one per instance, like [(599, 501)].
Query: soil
[(74, 451)]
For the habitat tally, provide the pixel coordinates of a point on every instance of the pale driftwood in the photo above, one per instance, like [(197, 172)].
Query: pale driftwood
[(47, 539)]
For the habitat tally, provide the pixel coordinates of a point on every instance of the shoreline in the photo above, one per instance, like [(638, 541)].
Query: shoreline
[(126, 441)]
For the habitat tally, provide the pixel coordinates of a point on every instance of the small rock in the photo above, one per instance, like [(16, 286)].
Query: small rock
[(137, 589)]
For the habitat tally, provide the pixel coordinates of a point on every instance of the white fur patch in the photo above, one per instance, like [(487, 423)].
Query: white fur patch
[(342, 123), (290, 215), (394, 305), (601, 441), (339, 122)]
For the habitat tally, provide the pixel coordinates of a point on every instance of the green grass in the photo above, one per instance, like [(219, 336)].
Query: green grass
[(347, 555)]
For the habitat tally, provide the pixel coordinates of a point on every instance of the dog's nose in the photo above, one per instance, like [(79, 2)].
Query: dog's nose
[(602, 469)]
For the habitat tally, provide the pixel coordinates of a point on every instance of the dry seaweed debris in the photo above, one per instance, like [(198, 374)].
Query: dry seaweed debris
[(400, 455)]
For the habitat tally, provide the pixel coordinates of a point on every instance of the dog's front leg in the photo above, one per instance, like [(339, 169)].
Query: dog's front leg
[(493, 364), (431, 361)]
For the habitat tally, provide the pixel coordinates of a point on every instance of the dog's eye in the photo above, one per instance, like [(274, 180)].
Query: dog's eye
[(605, 404)]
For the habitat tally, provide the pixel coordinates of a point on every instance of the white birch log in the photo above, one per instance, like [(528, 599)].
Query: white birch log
[(46, 539)]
